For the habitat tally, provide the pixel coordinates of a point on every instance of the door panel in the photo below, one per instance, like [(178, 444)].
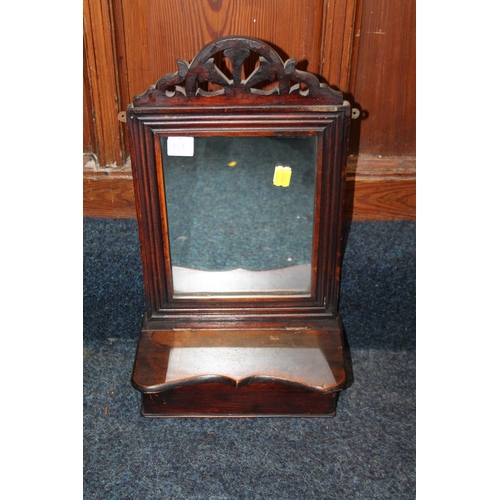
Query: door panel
[(130, 44)]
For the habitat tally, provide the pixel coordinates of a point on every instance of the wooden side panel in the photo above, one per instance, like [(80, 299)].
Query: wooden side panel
[(89, 143), (99, 46), (385, 79), (338, 39)]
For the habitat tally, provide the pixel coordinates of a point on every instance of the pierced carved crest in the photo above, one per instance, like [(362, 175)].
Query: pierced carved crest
[(186, 86)]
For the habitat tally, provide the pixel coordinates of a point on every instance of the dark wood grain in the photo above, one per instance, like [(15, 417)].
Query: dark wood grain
[(338, 42), (103, 84), (385, 87), (222, 400)]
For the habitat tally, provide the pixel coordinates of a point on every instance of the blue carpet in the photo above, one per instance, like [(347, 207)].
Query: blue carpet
[(366, 452)]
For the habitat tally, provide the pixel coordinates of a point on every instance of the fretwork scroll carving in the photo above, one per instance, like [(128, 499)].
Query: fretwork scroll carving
[(185, 87)]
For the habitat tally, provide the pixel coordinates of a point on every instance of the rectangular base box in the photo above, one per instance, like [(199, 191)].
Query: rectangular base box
[(240, 372), (223, 400)]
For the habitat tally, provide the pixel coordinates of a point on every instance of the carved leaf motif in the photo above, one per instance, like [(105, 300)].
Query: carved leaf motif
[(208, 72), (185, 83), (266, 71), (237, 56)]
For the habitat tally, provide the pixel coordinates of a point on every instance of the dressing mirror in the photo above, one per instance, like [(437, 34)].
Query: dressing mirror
[(239, 173)]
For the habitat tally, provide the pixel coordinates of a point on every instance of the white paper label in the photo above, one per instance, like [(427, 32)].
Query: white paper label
[(180, 146)]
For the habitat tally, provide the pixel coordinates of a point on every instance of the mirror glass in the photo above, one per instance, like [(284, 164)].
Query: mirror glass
[(240, 214)]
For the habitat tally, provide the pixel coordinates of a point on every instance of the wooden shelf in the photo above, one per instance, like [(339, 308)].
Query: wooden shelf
[(245, 372)]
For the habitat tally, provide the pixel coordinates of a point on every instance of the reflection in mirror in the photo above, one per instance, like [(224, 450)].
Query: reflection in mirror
[(240, 214)]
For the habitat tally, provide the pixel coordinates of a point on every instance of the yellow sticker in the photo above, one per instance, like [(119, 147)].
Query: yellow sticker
[(282, 176), (231, 164)]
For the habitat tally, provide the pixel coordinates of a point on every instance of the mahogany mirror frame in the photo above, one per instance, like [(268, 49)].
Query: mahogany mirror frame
[(275, 100)]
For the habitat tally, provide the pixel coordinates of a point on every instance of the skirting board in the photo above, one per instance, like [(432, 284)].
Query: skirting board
[(377, 189)]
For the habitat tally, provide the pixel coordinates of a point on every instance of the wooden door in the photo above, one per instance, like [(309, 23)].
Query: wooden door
[(129, 44)]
